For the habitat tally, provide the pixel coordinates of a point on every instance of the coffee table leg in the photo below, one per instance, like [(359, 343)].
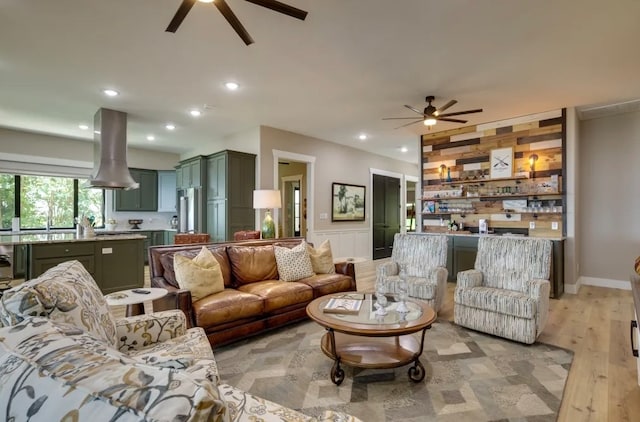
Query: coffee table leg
[(337, 373), (417, 371)]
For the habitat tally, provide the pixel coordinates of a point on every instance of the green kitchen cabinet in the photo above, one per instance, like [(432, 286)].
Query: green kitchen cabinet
[(465, 250), (44, 256), (145, 198), (20, 257), (191, 173), (119, 265), (167, 191), (169, 237), (230, 185)]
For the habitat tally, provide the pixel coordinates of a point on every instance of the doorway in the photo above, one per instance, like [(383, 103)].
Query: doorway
[(386, 214), (411, 205), (292, 201)]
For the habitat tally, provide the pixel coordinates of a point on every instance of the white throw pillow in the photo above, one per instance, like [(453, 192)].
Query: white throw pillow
[(321, 258), (293, 264), (201, 275)]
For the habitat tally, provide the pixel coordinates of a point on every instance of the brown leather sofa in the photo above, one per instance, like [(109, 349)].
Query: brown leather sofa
[(254, 299)]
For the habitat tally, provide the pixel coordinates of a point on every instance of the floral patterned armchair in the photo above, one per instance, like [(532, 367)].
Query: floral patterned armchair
[(64, 357)]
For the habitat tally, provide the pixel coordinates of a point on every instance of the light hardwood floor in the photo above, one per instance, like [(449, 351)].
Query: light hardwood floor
[(594, 324)]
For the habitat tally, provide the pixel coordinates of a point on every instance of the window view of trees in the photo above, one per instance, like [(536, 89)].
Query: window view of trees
[(57, 201), (7, 200)]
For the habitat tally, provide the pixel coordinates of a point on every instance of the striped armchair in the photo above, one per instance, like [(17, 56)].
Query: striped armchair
[(425, 256), (507, 293)]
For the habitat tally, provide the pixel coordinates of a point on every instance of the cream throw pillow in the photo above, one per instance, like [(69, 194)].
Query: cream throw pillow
[(293, 264), (201, 275), (321, 258)]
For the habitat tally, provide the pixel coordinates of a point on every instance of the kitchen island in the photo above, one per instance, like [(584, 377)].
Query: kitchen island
[(116, 261)]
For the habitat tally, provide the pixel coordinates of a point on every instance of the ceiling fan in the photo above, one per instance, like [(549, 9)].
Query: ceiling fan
[(431, 114), (228, 14)]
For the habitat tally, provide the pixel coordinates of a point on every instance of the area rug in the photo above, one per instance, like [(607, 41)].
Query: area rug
[(470, 377)]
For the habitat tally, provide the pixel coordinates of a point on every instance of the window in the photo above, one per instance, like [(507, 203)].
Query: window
[(7, 200), (47, 201)]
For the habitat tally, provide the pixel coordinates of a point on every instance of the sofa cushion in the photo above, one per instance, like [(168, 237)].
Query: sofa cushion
[(65, 293), (227, 306), (324, 284), (279, 294), (252, 263), (219, 253), (200, 275), (502, 301), (56, 371), (293, 264), (321, 258)]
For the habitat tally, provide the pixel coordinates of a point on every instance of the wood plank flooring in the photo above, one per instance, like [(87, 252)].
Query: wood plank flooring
[(594, 324)]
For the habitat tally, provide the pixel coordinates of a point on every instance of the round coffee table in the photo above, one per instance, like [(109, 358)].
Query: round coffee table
[(134, 301), (364, 340)]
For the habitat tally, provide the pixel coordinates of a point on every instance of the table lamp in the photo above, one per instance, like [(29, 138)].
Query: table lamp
[(267, 199)]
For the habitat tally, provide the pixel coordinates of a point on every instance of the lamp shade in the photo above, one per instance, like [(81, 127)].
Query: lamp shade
[(266, 199)]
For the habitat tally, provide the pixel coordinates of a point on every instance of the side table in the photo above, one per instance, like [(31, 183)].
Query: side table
[(134, 301)]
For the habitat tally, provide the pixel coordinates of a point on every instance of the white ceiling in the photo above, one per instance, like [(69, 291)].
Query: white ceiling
[(333, 76)]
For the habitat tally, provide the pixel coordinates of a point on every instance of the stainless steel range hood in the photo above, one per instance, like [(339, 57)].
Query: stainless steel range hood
[(110, 170)]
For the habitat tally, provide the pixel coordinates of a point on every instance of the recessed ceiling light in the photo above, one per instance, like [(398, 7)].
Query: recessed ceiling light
[(404, 149), (83, 126), (232, 86), (362, 136), (151, 138), (110, 92), (97, 132), (206, 1), (170, 126), (195, 112)]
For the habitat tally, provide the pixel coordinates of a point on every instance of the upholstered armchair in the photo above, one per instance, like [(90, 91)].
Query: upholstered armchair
[(425, 260), (507, 292)]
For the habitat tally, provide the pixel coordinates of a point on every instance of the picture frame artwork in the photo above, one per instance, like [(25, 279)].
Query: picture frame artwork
[(347, 202), (501, 163)]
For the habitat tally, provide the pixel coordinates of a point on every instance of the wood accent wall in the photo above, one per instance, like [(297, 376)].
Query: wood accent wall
[(466, 152)]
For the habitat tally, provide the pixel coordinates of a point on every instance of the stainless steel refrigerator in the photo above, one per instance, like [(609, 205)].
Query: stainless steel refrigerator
[(190, 211)]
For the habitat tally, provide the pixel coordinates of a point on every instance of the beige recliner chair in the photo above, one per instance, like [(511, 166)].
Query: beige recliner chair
[(507, 292), (425, 257)]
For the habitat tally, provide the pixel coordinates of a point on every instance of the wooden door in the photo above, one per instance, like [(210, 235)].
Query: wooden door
[(386, 214)]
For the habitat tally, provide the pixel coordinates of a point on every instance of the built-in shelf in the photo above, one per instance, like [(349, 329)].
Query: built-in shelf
[(509, 195), (506, 179)]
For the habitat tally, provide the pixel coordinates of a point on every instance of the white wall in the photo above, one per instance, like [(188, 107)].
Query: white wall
[(609, 199), (333, 163), (246, 141)]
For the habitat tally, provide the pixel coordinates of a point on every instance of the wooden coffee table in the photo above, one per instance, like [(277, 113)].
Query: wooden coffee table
[(365, 341)]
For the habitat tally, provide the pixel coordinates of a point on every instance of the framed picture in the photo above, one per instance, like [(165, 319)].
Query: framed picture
[(347, 202), (501, 163)]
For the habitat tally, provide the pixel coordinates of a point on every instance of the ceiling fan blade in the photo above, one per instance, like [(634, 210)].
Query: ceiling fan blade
[(409, 124), (445, 119), (228, 14), (180, 15), (281, 8), (444, 107), (398, 118), (414, 109), (458, 113)]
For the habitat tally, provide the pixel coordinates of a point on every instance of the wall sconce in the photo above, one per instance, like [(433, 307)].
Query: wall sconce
[(532, 161), (442, 170)]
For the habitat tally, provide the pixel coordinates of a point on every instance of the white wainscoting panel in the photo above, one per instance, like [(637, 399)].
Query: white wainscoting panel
[(344, 243)]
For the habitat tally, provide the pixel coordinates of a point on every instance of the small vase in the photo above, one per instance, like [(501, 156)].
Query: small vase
[(89, 232), (381, 298), (402, 289)]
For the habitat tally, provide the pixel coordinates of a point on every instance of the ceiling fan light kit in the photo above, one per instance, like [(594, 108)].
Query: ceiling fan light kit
[(231, 17), (431, 115)]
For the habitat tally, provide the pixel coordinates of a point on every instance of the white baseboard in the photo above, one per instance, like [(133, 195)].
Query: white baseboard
[(604, 282), (573, 289)]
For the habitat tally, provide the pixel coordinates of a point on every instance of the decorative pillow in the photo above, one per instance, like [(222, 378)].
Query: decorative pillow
[(321, 258), (201, 275), (65, 293), (293, 264), (638, 265)]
